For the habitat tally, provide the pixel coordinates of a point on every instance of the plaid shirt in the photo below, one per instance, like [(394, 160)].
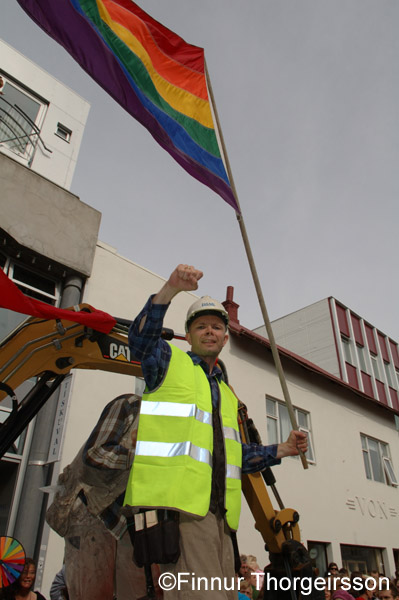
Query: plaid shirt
[(103, 450), (154, 353)]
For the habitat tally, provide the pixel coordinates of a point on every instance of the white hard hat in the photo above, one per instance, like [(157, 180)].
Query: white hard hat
[(206, 306)]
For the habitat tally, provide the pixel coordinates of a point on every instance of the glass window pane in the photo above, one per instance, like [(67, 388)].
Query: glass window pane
[(34, 280), (347, 350), (362, 360), (374, 364), (302, 419), (17, 447), (8, 478), (272, 431), (8, 321), (271, 407), (285, 423), (390, 473), (15, 126), (367, 465), (375, 459), (364, 442), (388, 373), (309, 454)]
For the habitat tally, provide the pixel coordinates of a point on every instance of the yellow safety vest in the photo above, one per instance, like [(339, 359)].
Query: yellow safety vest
[(172, 467)]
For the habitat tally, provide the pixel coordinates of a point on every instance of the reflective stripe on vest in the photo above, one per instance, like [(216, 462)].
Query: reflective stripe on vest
[(172, 467), (164, 450), (175, 409), (231, 434), (233, 472)]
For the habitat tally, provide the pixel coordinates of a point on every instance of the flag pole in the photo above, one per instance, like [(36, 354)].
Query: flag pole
[(252, 266)]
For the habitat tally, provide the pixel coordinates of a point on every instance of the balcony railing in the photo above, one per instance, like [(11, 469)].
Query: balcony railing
[(18, 132)]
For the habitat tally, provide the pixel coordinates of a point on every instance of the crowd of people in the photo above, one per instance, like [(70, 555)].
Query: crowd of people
[(342, 585), (339, 583)]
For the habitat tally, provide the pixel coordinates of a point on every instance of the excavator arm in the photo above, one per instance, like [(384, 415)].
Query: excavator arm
[(48, 350)]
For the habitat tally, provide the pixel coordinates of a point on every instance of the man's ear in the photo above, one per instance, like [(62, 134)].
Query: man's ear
[(188, 338), (226, 337)]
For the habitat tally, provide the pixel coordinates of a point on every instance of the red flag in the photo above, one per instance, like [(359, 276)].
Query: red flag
[(13, 299)]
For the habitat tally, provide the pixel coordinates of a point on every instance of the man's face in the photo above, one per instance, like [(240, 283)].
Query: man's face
[(207, 336)]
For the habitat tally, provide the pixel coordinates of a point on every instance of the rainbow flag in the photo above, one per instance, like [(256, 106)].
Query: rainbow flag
[(149, 70)]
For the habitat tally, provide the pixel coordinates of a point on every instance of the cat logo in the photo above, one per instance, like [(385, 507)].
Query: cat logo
[(119, 352)]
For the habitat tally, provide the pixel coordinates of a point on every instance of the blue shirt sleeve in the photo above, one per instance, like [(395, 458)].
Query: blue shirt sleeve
[(256, 458), (147, 346)]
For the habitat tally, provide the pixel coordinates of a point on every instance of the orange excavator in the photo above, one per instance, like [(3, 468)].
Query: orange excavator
[(48, 350)]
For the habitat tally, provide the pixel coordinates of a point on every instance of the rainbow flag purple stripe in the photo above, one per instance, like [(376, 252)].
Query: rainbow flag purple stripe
[(149, 70)]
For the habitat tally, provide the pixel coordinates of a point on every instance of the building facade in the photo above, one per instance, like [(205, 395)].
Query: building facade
[(47, 244), (333, 336), (41, 120)]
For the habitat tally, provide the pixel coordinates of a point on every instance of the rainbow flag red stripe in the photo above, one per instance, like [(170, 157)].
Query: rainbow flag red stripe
[(149, 70)]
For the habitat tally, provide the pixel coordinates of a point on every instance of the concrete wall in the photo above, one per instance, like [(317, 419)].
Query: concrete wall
[(62, 106), (46, 218)]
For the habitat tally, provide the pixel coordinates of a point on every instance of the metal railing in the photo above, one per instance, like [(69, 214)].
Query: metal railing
[(18, 132)]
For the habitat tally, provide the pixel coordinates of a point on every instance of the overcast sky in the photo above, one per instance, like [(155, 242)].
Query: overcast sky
[(307, 94)]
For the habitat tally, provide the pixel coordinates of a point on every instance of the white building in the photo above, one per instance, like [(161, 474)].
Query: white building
[(331, 335), (347, 498), (41, 120)]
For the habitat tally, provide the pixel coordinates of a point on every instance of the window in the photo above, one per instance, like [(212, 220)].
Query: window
[(388, 374), (377, 461), (318, 555), (279, 424), (362, 558), (21, 115), (34, 285), (31, 283), (361, 357), (63, 132), (374, 364), (346, 345)]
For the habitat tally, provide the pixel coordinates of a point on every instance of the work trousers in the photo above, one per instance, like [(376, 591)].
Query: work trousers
[(206, 564), (97, 566)]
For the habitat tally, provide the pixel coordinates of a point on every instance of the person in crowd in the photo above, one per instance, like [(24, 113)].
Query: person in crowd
[(246, 590), (87, 509), (256, 580), (372, 585), (332, 569), (342, 572), (189, 455), (388, 593), (244, 569), (58, 590), (341, 592), (22, 588), (327, 590), (358, 587)]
